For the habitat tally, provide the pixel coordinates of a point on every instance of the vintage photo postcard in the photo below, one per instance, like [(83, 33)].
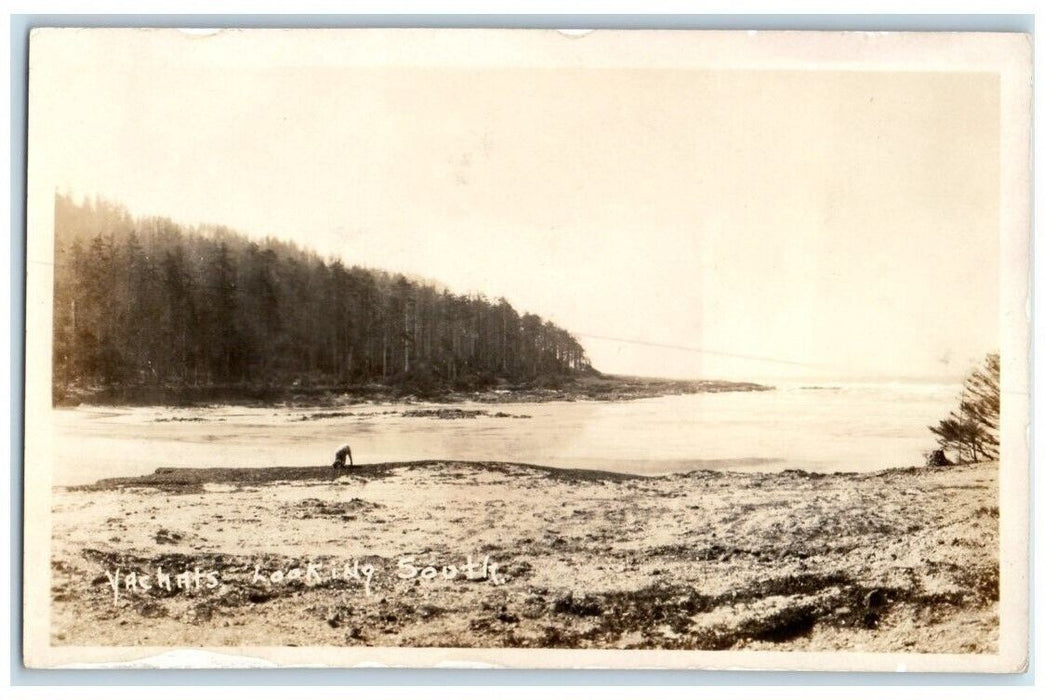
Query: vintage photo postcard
[(527, 349)]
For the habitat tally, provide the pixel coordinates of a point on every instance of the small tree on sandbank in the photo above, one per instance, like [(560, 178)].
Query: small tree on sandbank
[(971, 432)]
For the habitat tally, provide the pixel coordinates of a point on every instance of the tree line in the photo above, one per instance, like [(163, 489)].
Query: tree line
[(147, 302)]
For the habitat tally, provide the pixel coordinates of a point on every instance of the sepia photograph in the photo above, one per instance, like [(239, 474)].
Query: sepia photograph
[(528, 348)]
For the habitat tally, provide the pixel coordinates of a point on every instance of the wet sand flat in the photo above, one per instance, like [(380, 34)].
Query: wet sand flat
[(463, 554)]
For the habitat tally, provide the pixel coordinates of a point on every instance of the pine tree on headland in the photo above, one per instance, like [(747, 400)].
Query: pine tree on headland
[(145, 304), (971, 432)]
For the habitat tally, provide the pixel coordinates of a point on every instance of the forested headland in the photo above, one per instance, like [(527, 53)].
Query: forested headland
[(149, 310)]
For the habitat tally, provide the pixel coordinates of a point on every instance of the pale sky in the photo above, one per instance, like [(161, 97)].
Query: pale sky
[(842, 223)]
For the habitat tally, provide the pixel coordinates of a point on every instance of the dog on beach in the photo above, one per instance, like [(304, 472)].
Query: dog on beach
[(339, 457)]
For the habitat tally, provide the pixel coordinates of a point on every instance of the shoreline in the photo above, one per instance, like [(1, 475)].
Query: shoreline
[(896, 560), (194, 478), (586, 388)]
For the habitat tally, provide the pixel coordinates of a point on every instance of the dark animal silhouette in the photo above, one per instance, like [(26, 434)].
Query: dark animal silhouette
[(339, 458)]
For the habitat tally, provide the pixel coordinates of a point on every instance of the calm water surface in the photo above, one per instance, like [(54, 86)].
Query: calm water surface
[(849, 427)]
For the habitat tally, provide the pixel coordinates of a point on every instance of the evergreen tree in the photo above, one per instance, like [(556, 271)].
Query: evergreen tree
[(971, 432)]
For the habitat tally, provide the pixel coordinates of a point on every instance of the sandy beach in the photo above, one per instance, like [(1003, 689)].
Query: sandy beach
[(504, 555)]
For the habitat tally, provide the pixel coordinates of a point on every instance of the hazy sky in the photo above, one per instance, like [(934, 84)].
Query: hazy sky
[(840, 223)]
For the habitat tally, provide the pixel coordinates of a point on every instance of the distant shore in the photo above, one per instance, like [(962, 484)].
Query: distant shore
[(529, 556), (588, 387)]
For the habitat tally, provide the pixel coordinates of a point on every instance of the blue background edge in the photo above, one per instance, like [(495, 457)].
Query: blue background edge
[(22, 24)]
